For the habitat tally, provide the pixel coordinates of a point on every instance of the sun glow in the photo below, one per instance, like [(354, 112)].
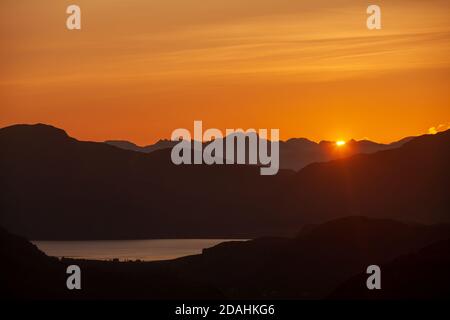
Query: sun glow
[(340, 143)]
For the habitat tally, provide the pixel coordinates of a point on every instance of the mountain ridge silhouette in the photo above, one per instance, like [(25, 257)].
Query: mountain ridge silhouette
[(295, 153), (56, 187)]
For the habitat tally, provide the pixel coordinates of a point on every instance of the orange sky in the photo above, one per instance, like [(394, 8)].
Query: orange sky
[(139, 69)]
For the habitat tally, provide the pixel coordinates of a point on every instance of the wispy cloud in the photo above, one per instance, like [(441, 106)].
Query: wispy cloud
[(439, 128)]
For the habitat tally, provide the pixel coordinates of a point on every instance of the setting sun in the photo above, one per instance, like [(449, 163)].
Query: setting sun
[(340, 143)]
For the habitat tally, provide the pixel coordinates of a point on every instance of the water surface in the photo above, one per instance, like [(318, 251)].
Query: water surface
[(146, 250)]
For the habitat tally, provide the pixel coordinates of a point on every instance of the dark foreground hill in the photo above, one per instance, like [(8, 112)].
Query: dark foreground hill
[(422, 274), (310, 266), (56, 187)]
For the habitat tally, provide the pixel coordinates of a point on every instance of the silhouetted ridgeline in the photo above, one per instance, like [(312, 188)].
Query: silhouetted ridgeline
[(295, 153), (56, 187), (311, 266), (161, 144)]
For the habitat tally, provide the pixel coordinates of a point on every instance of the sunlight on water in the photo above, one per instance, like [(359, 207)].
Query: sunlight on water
[(145, 250)]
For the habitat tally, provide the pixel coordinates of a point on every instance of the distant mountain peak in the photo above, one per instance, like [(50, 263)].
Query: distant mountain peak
[(300, 140)]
